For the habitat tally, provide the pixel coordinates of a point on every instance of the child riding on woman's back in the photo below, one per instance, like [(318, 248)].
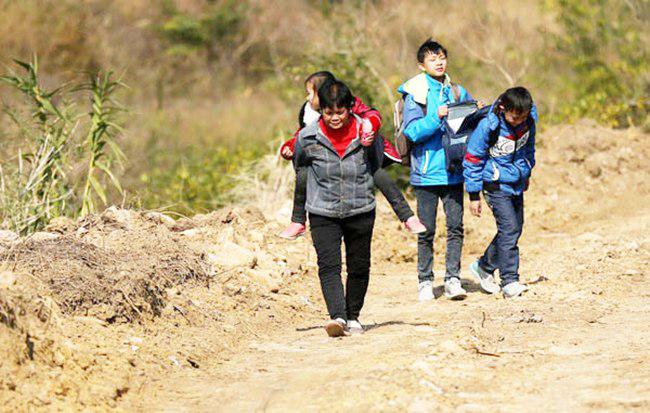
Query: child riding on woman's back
[(371, 123), (340, 203)]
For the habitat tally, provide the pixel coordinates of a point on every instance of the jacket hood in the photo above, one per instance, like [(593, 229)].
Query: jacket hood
[(418, 86)]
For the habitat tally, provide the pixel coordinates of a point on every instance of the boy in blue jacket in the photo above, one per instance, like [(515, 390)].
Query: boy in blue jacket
[(499, 160), (426, 99)]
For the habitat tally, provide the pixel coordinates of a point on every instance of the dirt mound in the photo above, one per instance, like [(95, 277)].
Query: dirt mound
[(91, 309), (24, 316), (50, 361), (585, 172), (115, 266)]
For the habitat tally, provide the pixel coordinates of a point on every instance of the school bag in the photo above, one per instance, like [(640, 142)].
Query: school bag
[(459, 124), (402, 143)]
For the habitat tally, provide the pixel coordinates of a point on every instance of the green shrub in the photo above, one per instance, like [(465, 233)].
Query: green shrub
[(604, 43), (195, 179)]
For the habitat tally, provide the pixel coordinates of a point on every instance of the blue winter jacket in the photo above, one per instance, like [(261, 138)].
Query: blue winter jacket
[(428, 166), (508, 162)]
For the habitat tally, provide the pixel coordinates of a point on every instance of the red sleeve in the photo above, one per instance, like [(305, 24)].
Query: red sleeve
[(291, 144), (366, 112)]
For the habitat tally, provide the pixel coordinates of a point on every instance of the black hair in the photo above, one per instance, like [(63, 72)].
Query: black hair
[(318, 78), (334, 93), (517, 99), (430, 46)]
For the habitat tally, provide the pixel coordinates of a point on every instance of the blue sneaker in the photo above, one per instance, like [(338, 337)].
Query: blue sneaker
[(484, 278)]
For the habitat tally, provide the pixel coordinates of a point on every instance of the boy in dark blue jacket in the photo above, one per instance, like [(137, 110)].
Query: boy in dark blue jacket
[(499, 160), (426, 99)]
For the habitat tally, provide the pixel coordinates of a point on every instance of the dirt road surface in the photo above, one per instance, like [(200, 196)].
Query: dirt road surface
[(578, 341)]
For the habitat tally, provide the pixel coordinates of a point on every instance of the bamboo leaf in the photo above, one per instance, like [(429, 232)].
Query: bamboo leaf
[(114, 180), (98, 188)]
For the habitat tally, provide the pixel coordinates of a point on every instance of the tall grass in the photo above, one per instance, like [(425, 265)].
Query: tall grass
[(36, 189), (42, 180), (100, 138)]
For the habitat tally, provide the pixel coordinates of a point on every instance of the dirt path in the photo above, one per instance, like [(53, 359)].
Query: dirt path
[(577, 341)]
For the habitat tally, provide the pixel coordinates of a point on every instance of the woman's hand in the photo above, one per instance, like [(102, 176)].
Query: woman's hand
[(480, 104)]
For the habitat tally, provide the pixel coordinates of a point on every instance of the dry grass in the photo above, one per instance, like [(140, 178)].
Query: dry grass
[(122, 276)]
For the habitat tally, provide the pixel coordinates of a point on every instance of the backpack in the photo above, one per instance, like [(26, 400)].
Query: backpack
[(402, 143), (454, 139), (459, 124)]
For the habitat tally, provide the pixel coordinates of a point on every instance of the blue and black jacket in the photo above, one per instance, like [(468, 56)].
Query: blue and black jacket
[(500, 155)]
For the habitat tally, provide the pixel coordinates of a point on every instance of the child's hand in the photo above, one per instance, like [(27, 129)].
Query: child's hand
[(443, 111), (480, 104), (287, 153), (367, 135), (367, 138), (475, 208)]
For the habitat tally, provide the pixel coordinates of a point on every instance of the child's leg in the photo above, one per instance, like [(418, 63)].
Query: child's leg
[(427, 198), (452, 203), (489, 259), (299, 214), (508, 213), (357, 234), (393, 195), (326, 234)]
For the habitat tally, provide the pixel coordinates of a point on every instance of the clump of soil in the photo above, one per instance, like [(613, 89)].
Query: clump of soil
[(42, 366), (115, 266), (92, 309)]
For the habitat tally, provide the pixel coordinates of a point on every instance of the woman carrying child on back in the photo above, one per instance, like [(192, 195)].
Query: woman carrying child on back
[(309, 113), (340, 202)]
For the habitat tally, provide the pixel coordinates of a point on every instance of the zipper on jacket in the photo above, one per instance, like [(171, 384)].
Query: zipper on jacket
[(426, 162)]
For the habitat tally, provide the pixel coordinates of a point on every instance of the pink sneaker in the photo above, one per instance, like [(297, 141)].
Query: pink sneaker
[(414, 225), (293, 231)]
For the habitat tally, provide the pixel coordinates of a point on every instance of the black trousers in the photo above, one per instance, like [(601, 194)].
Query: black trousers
[(356, 233)]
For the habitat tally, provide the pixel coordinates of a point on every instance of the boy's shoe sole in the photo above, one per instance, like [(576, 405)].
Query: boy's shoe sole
[(486, 286), (335, 329), (457, 297)]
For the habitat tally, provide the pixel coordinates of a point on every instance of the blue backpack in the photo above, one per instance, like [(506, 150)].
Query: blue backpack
[(459, 124)]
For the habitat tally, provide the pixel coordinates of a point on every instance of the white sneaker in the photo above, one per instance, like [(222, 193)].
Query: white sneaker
[(484, 278), (514, 289), (454, 290), (355, 327), (425, 291), (335, 328)]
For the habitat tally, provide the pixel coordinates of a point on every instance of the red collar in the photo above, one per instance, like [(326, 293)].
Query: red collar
[(340, 138)]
